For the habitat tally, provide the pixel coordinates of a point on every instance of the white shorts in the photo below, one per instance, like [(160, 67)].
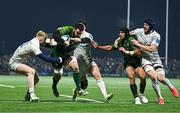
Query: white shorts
[(154, 64), (158, 67), (13, 64), (85, 68)]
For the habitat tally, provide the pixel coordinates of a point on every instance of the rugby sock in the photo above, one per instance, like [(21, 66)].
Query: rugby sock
[(167, 83), (55, 81), (156, 88), (76, 78), (142, 87), (133, 88), (102, 87)]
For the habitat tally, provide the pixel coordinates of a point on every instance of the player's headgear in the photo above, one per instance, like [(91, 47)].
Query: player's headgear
[(150, 22), (83, 23), (125, 30), (79, 26)]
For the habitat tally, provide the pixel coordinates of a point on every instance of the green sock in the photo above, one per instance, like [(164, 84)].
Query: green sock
[(77, 81)]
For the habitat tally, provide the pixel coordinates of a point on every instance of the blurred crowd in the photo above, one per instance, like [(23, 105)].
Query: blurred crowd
[(108, 66)]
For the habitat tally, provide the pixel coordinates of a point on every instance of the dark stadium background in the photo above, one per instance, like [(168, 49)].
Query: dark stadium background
[(21, 19)]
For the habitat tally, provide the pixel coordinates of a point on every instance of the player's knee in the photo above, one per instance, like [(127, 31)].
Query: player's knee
[(160, 72), (148, 68), (31, 72), (153, 78), (160, 78), (131, 77), (97, 75), (142, 77), (76, 70)]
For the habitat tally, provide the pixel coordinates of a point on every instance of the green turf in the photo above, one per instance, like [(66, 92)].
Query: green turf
[(12, 99)]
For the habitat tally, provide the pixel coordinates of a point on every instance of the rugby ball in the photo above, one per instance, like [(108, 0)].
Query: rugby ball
[(65, 37)]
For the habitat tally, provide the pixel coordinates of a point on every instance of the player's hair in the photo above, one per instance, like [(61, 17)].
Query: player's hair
[(79, 26), (150, 22), (125, 30), (41, 33)]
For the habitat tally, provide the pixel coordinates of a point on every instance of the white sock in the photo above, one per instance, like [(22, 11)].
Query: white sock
[(156, 88), (167, 83), (102, 87)]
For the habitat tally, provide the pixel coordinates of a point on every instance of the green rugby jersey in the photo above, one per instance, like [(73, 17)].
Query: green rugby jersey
[(61, 50), (128, 46)]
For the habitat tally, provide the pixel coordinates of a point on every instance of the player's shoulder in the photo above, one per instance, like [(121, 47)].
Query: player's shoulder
[(65, 29), (155, 34), (137, 31), (140, 29), (133, 37), (86, 34), (34, 42)]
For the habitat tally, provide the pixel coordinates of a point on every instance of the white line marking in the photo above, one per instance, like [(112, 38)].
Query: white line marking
[(2, 85), (91, 100)]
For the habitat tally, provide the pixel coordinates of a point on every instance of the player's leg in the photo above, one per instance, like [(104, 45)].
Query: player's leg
[(56, 77), (151, 72), (161, 77), (30, 72), (73, 64), (131, 75), (83, 70), (36, 80), (142, 75), (99, 81), (84, 81)]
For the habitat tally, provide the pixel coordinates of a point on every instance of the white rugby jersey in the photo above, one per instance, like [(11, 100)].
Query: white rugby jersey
[(152, 38), (82, 52), (26, 50)]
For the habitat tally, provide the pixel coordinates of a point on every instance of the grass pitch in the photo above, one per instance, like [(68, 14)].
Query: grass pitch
[(13, 89)]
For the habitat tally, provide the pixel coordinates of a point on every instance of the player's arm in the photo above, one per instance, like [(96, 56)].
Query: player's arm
[(135, 52), (57, 38), (49, 59), (115, 46), (35, 48), (105, 48), (150, 48), (66, 30), (78, 40)]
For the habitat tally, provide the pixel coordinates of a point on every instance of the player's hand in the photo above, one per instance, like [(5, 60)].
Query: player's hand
[(53, 42), (66, 43), (47, 41), (135, 42), (121, 49), (60, 60)]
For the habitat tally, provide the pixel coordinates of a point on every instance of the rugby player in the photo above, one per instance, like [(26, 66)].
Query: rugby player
[(22, 53), (67, 38), (87, 65), (132, 63), (148, 40)]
